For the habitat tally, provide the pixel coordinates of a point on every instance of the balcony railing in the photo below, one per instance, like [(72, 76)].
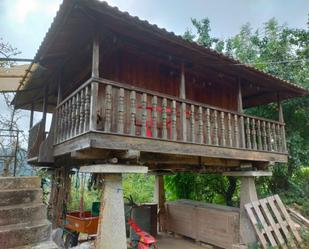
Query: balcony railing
[(112, 107), (36, 137)]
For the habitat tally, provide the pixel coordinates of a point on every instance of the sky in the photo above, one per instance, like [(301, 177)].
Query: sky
[(24, 23)]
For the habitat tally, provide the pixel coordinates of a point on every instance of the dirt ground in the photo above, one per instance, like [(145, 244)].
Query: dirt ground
[(169, 242)]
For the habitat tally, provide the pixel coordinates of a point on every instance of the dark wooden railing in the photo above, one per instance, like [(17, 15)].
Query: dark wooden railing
[(112, 107), (36, 137)]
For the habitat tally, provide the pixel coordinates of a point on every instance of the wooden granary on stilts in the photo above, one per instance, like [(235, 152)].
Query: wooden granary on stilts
[(118, 87)]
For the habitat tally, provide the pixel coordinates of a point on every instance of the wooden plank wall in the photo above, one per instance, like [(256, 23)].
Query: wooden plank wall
[(213, 224), (149, 73)]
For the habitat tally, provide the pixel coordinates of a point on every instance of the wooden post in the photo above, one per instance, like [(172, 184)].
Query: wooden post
[(241, 119), (159, 199), (182, 86), (183, 112), (31, 116), (59, 96), (45, 106), (95, 56), (58, 129), (281, 120)]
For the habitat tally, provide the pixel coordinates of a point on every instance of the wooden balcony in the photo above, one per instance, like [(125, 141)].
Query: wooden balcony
[(110, 115)]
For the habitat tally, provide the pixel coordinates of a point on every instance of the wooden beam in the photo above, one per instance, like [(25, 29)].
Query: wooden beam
[(170, 159), (119, 142), (113, 169), (248, 173), (90, 154)]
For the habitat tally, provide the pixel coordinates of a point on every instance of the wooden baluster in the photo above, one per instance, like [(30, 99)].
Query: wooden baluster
[(57, 126), (108, 108), (58, 132), (223, 142), (254, 145), (208, 136), (154, 117), (65, 120), (192, 124), (236, 134), (60, 117), (69, 114), (65, 128), (248, 133), (229, 130), (120, 118), (164, 118), (87, 108), (183, 119), (259, 135), (242, 131), (73, 116), (216, 138), (77, 122), (200, 125), (67, 123), (174, 119), (284, 148), (133, 113), (269, 136), (264, 136), (82, 112), (93, 108), (275, 147), (279, 138), (144, 115)]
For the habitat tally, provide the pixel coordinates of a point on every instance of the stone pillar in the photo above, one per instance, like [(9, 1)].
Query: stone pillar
[(247, 194), (111, 228), (159, 199)]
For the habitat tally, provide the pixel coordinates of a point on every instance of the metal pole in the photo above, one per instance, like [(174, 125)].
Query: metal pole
[(16, 150)]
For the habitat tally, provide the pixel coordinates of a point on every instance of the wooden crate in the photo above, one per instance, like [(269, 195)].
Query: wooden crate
[(212, 224), (83, 223)]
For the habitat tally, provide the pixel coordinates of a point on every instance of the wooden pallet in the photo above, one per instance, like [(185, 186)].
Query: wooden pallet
[(272, 223)]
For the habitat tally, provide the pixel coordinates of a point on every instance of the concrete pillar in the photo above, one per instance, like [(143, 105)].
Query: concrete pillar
[(111, 228), (159, 199), (247, 194)]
